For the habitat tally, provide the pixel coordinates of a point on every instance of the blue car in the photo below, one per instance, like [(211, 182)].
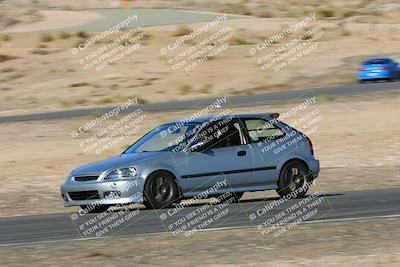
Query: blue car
[(218, 155), (375, 69)]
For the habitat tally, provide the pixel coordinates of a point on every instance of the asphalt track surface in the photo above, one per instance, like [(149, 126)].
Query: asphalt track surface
[(360, 205), (236, 101), (146, 17)]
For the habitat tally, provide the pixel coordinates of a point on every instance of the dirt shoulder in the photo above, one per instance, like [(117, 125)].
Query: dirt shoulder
[(367, 243)]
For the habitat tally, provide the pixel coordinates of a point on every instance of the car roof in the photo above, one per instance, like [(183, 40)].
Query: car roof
[(207, 118), (378, 58)]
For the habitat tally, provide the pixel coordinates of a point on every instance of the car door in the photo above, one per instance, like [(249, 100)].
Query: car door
[(397, 69), (224, 161), (390, 64), (264, 136)]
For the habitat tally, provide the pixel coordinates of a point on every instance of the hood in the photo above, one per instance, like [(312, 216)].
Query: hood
[(122, 160)]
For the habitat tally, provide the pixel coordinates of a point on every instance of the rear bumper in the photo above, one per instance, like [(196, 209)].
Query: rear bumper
[(108, 193), (313, 165), (369, 75)]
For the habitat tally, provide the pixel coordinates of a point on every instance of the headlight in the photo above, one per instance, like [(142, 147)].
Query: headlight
[(122, 173)]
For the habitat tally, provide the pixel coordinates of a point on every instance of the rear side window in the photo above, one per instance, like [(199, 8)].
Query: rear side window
[(262, 130)]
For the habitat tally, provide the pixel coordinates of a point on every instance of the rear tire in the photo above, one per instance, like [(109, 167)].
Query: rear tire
[(293, 179), (160, 190)]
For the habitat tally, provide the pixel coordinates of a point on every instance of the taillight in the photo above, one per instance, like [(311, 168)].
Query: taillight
[(361, 69), (384, 68), (311, 145), (275, 115)]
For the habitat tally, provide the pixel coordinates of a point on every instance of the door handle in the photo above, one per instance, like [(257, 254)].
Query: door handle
[(241, 153)]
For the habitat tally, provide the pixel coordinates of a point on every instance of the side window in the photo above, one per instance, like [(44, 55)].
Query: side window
[(261, 130), (222, 133)]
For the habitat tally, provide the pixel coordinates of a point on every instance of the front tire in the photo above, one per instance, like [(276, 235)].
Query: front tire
[(293, 179), (160, 190)]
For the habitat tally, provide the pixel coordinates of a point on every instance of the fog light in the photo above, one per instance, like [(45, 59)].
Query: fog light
[(64, 197)]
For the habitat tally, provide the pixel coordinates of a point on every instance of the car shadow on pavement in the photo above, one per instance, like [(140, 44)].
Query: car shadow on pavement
[(252, 200)]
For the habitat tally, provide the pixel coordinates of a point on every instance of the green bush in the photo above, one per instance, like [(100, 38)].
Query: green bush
[(5, 57), (78, 84), (183, 30), (65, 35), (238, 8), (6, 37), (264, 14), (325, 13), (141, 100), (46, 37), (185, 89), (8, 69), (39, 51), (82, 34), (240, 41)]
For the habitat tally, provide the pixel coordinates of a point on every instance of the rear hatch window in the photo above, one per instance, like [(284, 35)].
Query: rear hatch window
[(376, 62)]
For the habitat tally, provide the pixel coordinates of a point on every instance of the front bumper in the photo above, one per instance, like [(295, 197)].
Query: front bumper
[(122, 192)]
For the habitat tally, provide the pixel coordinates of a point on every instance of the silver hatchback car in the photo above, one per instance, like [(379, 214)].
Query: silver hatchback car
[(208, 156)]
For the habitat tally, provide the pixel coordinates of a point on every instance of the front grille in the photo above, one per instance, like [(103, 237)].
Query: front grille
[(84, 195), (86, 178)]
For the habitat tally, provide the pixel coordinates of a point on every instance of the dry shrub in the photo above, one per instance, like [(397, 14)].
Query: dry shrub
[(182, 31)]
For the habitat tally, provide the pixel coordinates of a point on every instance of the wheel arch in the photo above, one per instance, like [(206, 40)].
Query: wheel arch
[(168, 171), (298, 159)]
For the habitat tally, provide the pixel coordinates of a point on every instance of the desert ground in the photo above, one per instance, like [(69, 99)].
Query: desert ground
[(39, 73)]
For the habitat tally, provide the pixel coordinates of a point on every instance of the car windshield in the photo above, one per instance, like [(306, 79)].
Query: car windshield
[(376, 61), (169, 137)]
